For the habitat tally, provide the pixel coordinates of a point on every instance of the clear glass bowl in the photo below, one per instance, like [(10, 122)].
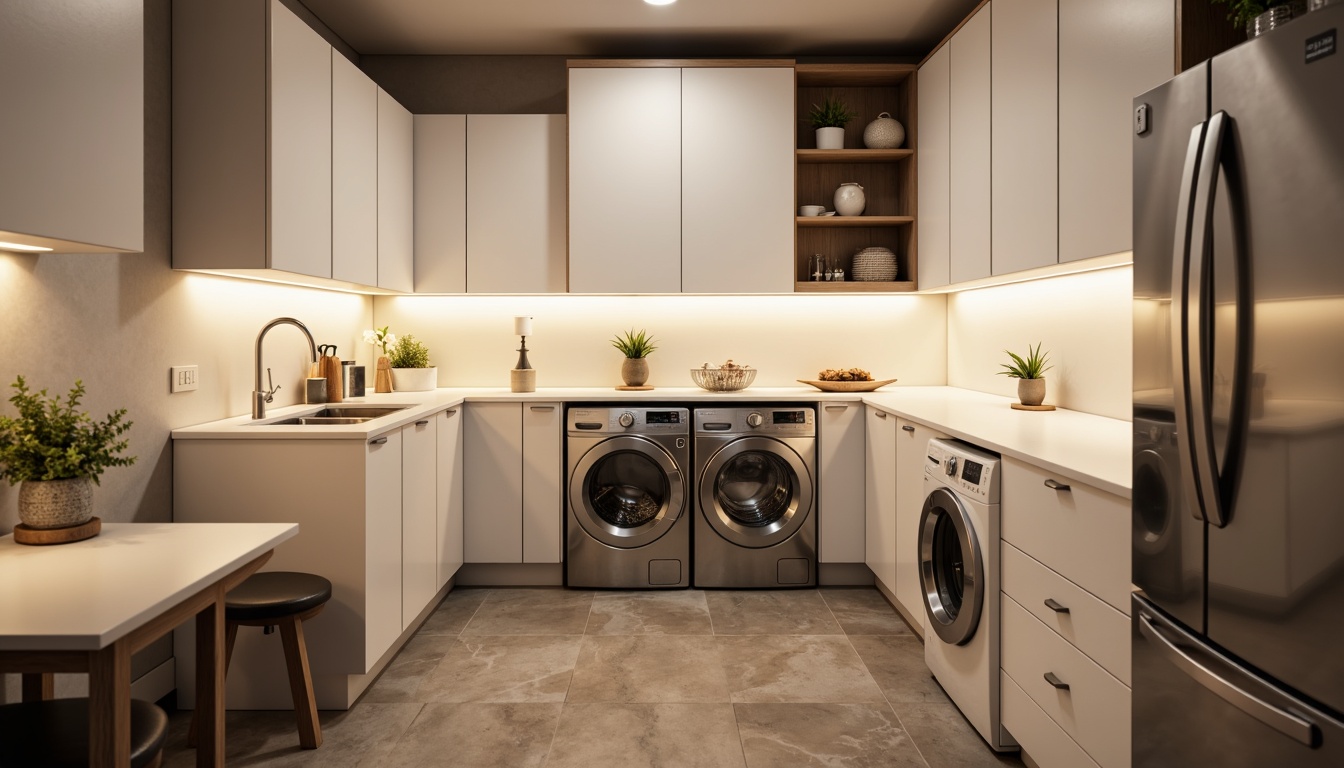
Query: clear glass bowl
[(723, 379)]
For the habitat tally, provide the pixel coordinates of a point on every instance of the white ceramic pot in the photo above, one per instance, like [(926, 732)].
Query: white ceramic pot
[(830, 138), (55, 503), (849, 199), (884, 133), (415, 379)]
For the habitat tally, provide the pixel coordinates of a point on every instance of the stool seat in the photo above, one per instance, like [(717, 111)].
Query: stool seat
[(275, 595), (55, 734)]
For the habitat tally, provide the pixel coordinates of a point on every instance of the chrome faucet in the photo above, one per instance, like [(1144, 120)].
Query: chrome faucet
[(260, 397)]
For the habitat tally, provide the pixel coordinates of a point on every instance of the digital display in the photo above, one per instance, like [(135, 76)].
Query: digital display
[(662, 417), (970, 472), (790, 417)]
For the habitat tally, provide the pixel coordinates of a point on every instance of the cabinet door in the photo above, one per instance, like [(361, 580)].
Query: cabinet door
[(737, 176), (516, 204), (440, 203), (382, 553), (72, 144), (1109, 50), (880, 497), (492, 448), (912, 441), (396, 188), (1025, 129), (354, 173), (970, 146), (625, 180), (300, 150), (934, 154), (419, 517), (543, 482), (841, 513), (449, 523)]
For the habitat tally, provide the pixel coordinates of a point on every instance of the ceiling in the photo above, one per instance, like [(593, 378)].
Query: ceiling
[(632, 28)]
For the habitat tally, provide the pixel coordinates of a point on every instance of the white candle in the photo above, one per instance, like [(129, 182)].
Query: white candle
[(522, 326)]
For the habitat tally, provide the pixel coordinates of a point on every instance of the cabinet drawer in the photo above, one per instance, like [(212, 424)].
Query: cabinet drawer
[(1048, 745), (1094, 709), (1096, 628), (1076, 530)]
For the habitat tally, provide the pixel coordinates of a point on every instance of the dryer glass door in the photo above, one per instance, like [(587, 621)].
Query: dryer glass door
[(627, 491), (951, 570), (756, 492)]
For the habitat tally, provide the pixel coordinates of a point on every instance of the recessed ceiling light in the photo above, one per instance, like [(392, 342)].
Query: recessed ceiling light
[(20, 247), (660, 2)]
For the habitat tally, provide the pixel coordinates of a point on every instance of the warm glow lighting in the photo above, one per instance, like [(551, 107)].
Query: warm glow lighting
[(660, 2), (20, 247)]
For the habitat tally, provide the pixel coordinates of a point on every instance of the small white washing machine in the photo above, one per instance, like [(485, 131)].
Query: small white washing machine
[(959, 581)]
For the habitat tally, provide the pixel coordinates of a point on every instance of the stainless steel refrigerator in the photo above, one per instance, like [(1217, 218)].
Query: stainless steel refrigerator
[(1238, 496)]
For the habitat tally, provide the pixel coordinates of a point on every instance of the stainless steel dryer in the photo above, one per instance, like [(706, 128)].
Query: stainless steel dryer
[(755, 523), (626, 510)]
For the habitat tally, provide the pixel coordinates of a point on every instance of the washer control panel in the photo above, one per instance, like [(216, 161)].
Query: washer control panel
[(777, 421), (634, 421), (969, 471)]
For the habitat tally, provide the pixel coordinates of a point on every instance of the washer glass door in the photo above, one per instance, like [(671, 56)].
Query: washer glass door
[(756, 492), (951, 570), (627, 492)]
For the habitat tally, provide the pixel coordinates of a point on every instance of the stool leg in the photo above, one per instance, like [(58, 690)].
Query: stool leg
[(230, 635), (301, 683)]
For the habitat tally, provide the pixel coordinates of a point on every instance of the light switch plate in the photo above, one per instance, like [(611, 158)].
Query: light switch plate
[(184, 378)]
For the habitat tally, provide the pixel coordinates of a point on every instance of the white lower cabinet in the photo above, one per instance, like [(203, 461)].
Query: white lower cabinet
[(912, 441), (840, 481), (880, 497), (419, 517), (513, 483), (383, 493), (449, 499)]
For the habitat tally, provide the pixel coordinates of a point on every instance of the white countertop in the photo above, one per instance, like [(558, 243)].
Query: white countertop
[(88, 594), (1092, 449)]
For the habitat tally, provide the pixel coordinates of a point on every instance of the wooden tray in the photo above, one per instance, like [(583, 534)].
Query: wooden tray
[(847, 386), (43, 536)]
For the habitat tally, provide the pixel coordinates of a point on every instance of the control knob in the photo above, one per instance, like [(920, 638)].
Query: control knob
[(754, 419), (626, 419), (950, 466)]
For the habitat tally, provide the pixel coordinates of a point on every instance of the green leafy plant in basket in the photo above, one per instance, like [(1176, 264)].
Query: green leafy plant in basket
[(54, 440), (1033, 366), (634, 345), (830, 113), (408, 352)]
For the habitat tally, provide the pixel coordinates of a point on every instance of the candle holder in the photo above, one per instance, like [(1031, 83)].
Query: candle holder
[(523, 377)]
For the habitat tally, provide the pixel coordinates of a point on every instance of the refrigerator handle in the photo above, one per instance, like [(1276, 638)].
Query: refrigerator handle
[(1180, 334), (1183, 656)]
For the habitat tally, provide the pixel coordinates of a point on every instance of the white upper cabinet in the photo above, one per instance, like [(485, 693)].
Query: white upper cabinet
[(515, 203), (72, 138), (935, 157), (300, 146), (440, 203), (737, 174), (396, 193), (625, 180), (1025, 130), (970, 149), (1109, 52), (354, 173)]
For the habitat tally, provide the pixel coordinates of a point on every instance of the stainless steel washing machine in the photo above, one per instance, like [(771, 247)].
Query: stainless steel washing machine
[(627, 519), (1158, 557), (755, 521)]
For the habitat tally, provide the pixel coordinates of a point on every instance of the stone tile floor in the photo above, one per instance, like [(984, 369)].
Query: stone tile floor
[(559, 678)]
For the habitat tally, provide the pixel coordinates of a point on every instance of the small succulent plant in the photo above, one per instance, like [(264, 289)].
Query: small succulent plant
[(634, 345), (830, 113), (1033, 366)]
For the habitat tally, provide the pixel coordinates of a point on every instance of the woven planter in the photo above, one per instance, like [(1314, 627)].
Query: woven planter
[(56, 503), (875, 264)]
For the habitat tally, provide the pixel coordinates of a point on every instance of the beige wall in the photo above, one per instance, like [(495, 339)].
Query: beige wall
[(1084, 321)]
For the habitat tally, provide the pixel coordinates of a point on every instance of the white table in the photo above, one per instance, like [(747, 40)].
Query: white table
[(86, 607)]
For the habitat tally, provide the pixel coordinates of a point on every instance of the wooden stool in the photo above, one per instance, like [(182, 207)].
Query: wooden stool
[(55, 734), (285, 599)]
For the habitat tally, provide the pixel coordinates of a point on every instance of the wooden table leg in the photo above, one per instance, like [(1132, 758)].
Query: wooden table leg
[(110, 707), (210, 683), (39, 686)]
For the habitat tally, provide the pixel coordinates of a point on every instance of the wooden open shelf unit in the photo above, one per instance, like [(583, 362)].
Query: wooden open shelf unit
[(886, 175)]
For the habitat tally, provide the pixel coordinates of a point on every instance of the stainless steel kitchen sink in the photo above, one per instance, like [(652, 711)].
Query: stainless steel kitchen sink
[(335, 415), (317, 421)]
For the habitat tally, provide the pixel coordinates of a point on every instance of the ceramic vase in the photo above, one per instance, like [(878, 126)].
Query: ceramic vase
[(849, 199), (415, 379), (635, 371), (884, 133), (55, 503), (1031, 391), (830, 138)]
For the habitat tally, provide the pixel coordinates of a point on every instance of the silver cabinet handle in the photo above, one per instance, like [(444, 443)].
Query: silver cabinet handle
[(378, 441), (840, 407), (1055, 485), (1053, 679), (908, 427), (422, 423), (543, 407), (1055, 605)]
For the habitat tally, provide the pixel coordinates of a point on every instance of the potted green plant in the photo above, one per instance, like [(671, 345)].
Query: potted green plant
[(411, 371), (829, 119), (55, 452), (1259, 16), (1030, 373), (636, 347)]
